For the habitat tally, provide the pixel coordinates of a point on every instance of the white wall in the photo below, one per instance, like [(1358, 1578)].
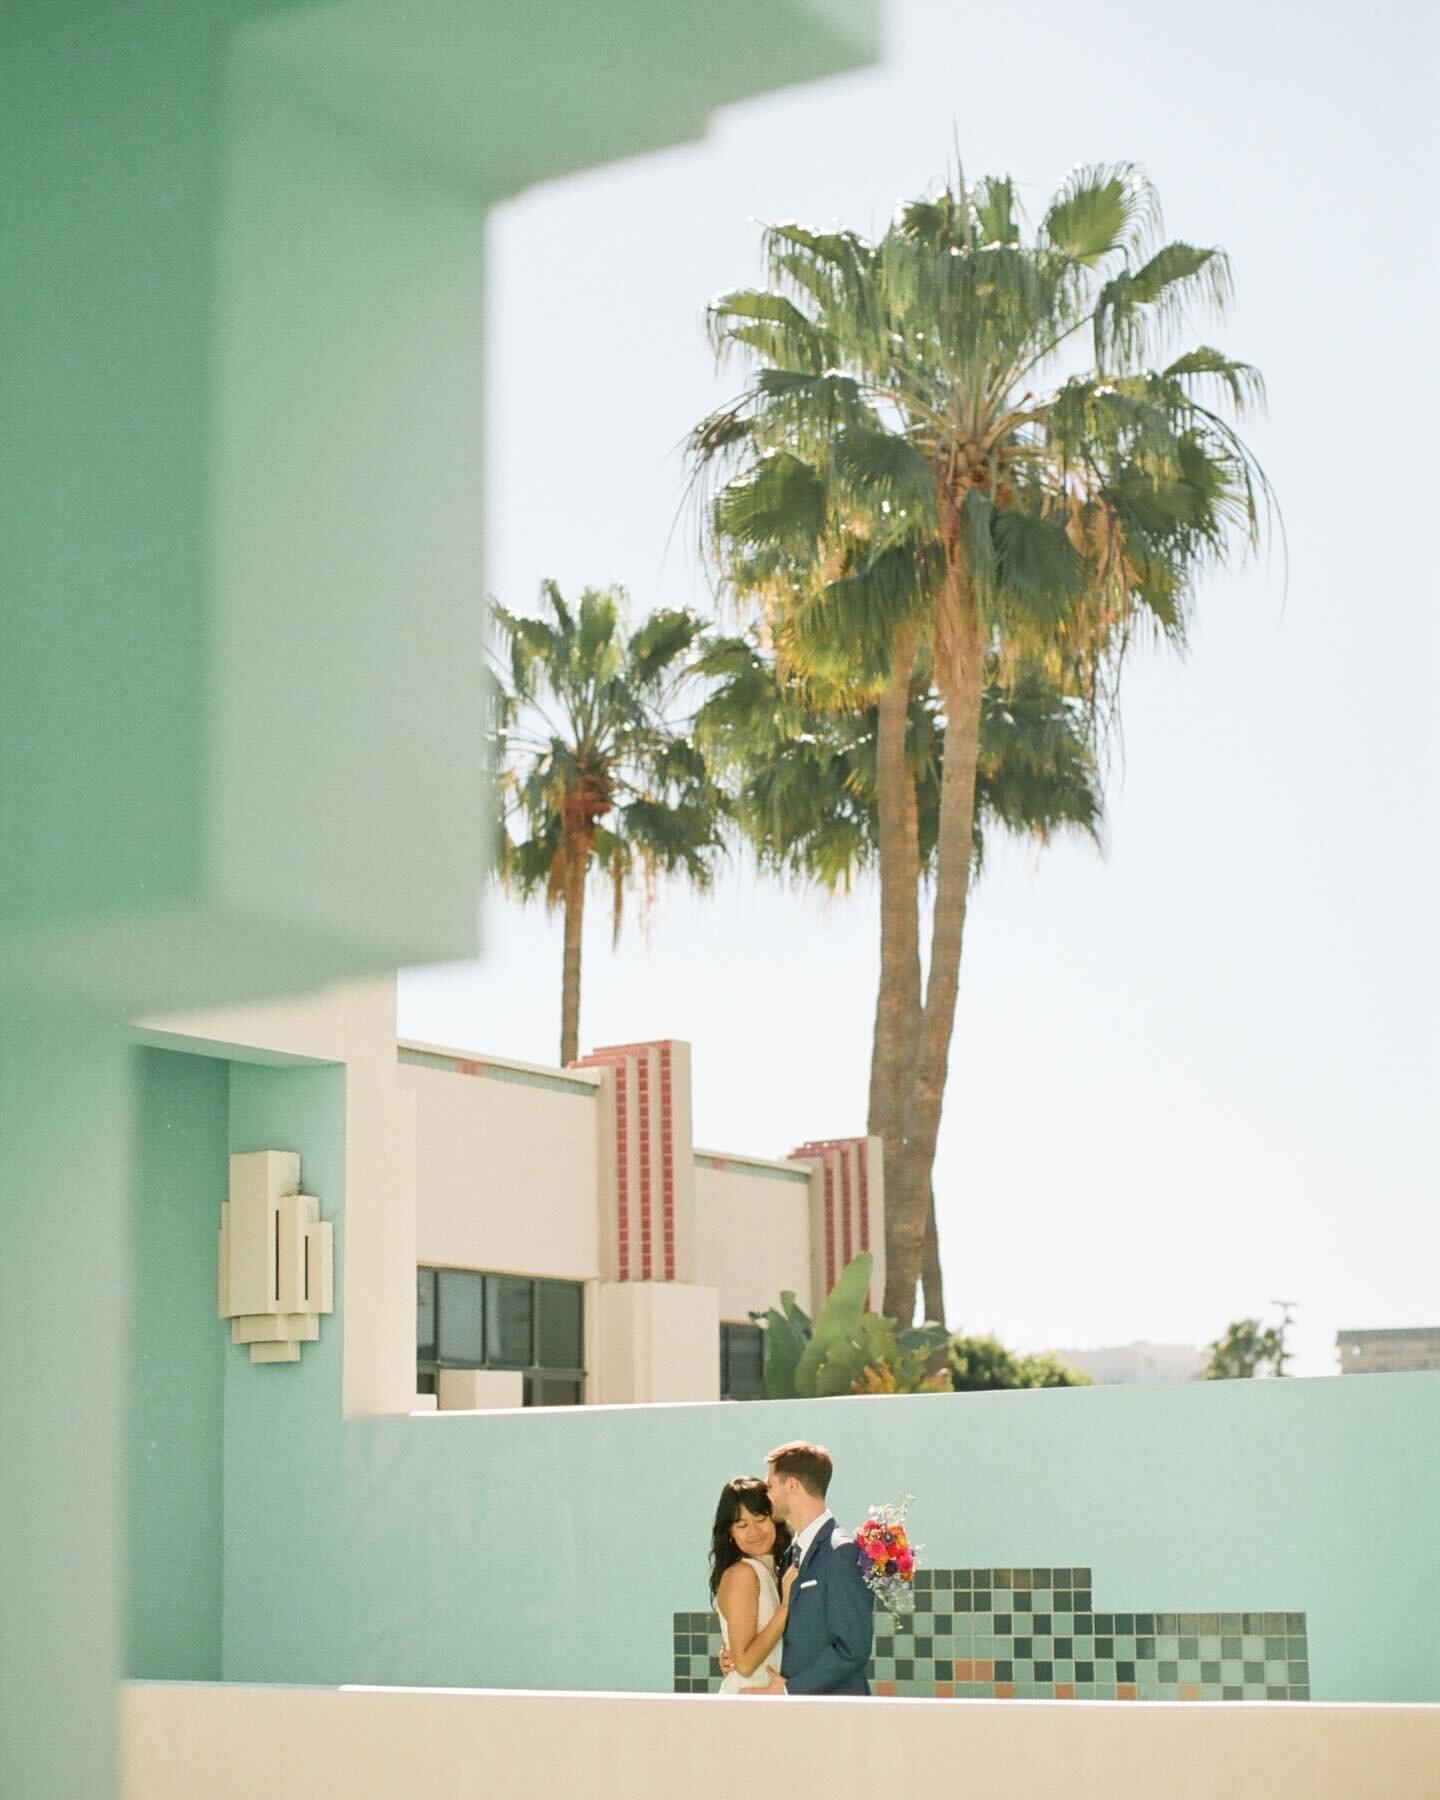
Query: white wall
[(658, 1340), (752, 1236), (231, 1742), (505, 1175)]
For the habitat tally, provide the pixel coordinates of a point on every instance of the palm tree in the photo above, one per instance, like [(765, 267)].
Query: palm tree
[(920, 468), (594, 762), (802, 756)]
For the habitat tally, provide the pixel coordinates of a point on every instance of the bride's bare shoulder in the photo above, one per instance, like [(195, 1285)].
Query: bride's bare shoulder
[(737, 1575)]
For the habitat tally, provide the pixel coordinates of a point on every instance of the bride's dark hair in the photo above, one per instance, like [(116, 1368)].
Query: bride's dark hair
[(751, 1493)]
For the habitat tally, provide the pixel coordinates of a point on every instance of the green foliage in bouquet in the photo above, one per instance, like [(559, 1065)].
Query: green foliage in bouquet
[(847, 1350)]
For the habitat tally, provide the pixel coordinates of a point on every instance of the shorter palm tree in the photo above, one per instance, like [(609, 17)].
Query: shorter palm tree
[(596, 764)]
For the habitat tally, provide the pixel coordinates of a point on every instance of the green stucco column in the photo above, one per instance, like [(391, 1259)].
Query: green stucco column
[(64, 1277)]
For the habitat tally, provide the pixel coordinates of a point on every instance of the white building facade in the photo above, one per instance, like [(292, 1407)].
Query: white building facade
[(571, 1244)]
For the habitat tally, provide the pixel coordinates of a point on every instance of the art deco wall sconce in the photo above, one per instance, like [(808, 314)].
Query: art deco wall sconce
[(277, 1257)]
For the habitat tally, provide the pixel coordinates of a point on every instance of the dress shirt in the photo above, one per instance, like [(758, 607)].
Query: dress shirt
[(807, 1537)]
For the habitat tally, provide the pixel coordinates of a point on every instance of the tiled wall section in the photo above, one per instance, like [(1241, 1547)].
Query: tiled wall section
[(1032, 1634)]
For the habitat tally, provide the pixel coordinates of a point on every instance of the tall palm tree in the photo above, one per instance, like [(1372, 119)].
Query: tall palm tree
[(919, 467), (802, 758), (597, 763)]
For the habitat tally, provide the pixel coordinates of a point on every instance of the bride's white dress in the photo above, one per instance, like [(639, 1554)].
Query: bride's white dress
[(764, 1567)]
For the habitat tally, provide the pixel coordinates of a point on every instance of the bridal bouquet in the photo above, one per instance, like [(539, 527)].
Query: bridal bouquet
[(887, 1557)]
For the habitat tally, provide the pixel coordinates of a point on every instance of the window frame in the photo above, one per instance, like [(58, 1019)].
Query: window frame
[(534, 1373)]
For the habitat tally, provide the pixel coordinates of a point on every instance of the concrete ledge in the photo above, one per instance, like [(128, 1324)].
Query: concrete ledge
[(231, 1742)]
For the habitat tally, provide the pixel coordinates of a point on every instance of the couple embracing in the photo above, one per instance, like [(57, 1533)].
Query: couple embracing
[(786, 1581)]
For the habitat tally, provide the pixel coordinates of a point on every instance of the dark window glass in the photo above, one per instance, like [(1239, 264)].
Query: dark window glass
[(508, 1325), (742, 1362), (462, 1319), (554, 1390), (465, 1319), (560, 1328), (425, 1315)]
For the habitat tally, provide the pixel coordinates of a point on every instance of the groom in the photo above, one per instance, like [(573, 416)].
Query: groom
[(827, 1637)]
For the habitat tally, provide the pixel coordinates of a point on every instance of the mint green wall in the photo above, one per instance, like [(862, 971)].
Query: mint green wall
[(549, 1549), (176, 1369), (284, 1436)]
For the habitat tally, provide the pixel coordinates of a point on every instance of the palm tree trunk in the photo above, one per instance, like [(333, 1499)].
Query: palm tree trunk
[(577, 860), (932, 1281), (962, 671), (898, 999)]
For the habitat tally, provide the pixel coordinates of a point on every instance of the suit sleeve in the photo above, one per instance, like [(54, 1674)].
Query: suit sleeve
[(848, 1615)]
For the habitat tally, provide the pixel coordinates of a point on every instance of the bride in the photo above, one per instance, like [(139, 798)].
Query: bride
[(745, 1545)]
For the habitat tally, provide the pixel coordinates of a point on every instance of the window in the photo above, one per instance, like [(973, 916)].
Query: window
[(466, 1319), (742, 1362)]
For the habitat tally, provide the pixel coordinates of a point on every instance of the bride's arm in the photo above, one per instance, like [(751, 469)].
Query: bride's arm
[(739, 1600)]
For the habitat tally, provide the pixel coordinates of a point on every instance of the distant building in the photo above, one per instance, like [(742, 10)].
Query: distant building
[(1385, 1352), (1114, 1364)]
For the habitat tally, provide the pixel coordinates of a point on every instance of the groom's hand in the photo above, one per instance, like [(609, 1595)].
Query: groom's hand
[(776, 1686)]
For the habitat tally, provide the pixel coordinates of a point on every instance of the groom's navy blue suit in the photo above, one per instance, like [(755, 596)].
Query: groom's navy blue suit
[(828, 1634)]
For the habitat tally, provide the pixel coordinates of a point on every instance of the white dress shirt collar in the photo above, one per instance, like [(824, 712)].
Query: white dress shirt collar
[(807, 1537)]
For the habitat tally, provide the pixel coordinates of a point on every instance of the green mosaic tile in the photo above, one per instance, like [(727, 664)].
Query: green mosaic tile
[(1036, 1626)]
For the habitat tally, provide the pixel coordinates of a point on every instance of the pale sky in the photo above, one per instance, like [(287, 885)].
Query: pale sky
[(1194, 1073)]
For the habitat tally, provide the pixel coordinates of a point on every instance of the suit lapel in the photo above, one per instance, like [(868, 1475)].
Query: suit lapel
[(822, 1536)]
